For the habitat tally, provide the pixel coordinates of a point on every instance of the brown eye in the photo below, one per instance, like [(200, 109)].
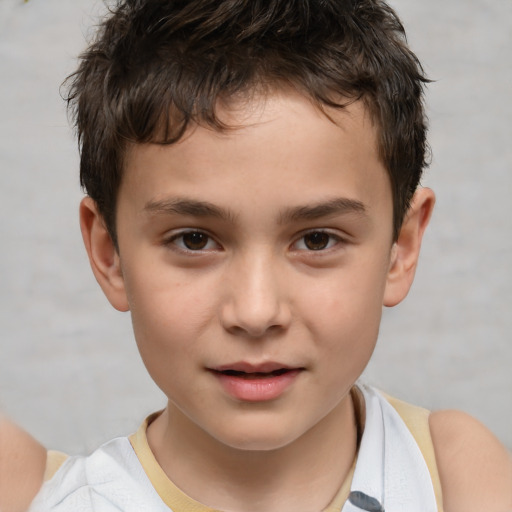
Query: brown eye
[(195, 240), (317, 240)]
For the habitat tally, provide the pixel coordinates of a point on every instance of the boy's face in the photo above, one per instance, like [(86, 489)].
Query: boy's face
[(255, 265)]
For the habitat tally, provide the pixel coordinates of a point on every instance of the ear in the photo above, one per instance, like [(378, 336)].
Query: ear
[(406, 250), (103, 255)]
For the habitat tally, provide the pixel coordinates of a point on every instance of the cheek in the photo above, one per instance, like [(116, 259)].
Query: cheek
[(168, 315), (344, 309), (346, 296)]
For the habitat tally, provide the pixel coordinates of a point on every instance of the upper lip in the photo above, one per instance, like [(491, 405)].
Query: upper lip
[(246, 367)]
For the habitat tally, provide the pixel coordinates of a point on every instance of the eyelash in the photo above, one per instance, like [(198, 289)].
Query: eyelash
[(326, 237), (333, 241), (174, 238)]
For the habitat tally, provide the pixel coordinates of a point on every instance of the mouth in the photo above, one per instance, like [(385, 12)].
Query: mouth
[(255, 375), (256, 383), (246, 370)]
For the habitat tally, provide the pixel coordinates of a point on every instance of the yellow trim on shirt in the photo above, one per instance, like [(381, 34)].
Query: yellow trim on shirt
[(416, 420), (54, 461), (173, 497)]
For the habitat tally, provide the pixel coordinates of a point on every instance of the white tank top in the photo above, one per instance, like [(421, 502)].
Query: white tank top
[(390, 475)]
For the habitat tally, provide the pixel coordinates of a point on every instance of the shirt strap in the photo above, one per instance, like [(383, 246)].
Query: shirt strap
[(416, 420)]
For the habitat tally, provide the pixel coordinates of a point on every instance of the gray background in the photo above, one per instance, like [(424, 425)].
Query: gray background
[(69, 370)]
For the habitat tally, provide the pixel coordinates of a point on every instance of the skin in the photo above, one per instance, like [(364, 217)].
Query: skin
[(475, 468), (257, 293), (22, 464)]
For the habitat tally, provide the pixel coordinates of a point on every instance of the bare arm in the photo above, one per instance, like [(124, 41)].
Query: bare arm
[(22, 465), (474, 467)]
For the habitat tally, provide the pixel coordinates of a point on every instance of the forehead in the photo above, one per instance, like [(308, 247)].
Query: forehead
[(279, 146)]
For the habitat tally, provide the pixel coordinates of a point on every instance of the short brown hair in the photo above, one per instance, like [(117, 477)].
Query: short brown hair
[(155, 66)]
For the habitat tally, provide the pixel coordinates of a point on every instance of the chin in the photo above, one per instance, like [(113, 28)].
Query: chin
[(257, 443), (258, 436)]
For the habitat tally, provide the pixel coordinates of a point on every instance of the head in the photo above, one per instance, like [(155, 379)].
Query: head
[(157, 67), (244, 170)]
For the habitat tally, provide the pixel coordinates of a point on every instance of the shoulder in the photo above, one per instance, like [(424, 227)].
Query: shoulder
[(110, 479), (474, 467), (22, 467)]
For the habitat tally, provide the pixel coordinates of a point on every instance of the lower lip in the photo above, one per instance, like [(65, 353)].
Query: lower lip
[(257, 389)]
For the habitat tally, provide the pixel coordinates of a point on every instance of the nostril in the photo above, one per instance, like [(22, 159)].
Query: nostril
[(256, 332)]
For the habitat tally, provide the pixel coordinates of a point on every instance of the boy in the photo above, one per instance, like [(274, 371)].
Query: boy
[(252, 173)]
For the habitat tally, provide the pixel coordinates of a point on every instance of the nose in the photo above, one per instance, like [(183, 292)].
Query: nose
[(255, 303)]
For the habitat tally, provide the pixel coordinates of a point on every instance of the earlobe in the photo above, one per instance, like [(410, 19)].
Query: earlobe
[(103, 255), (405, 251)]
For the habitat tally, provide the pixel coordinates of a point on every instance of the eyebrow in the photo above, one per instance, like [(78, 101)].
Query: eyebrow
[(190, 207), (195, 208), (337, 206)]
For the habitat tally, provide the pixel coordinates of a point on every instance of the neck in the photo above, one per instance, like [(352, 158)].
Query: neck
[(304, 475)]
